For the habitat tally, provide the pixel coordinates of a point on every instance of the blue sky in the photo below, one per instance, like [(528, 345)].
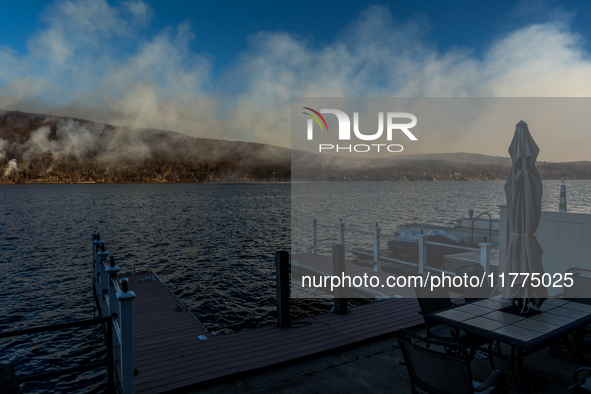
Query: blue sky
[(228, 70), (222, 30)]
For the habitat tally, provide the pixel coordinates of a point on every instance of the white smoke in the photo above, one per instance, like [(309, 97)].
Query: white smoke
[(73, 68), (10, 168), (73, 139)]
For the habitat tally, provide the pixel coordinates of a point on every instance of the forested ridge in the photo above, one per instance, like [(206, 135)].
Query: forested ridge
[(38, 148), (49, 149)]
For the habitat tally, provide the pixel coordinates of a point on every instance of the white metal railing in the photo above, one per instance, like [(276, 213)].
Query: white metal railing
[(115, 301), (565, 238), (376, 234)]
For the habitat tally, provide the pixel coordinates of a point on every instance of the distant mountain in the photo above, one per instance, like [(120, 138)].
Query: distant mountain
[(579, 163), (460, 157), (409, 159), (38, 148)]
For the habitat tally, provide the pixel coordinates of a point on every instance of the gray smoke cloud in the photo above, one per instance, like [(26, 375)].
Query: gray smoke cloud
[(73, 139), (72, 68)]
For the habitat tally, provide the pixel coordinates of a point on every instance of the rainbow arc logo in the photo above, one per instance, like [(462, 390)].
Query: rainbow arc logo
[(315, 118)]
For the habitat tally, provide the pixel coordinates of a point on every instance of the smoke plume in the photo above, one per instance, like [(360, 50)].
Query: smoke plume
[(74, 66), (10, 168)]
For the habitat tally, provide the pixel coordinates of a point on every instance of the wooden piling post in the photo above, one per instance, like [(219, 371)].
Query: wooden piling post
[(282, 277), (377, 266), (422, 253), (485, 255), (338, 267), (314, 236), (562, 203), (341, 227)]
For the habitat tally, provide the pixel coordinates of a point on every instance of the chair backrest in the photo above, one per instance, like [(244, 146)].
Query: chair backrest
[(473, 293), (580, 291), (582, 381), (432, 300), (433, 371)]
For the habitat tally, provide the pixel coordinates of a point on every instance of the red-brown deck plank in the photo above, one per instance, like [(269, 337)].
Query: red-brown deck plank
[(169, 355), (209, 363)]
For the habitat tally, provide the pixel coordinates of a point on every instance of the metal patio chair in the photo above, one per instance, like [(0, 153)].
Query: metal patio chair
[(582, 381), (580, 291), (435, 300), (435, 372), (471, 293)]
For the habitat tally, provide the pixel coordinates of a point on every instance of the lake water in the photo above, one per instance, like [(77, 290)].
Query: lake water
[(212, 244), (363, 204)]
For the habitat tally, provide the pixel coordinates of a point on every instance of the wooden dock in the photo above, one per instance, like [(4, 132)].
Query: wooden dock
[(161, 324), (169, 355), (169, 348)]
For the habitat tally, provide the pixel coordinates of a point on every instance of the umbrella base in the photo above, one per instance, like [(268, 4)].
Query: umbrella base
[(516, 310)]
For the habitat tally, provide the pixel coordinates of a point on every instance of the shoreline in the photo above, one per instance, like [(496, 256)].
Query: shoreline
[(2, 182)]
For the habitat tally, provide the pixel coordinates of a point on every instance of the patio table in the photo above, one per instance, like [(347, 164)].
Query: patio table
[(525, 334)]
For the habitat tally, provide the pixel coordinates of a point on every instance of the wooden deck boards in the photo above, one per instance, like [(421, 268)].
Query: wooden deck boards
[(168, 354), (158, 318), (225, 355)]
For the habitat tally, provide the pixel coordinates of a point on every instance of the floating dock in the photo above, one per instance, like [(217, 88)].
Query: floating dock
[(162, 326), (170, 355), (160, 346)]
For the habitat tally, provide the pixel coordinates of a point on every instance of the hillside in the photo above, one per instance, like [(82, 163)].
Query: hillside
[(48, 149), (459, 157), (38, 148)]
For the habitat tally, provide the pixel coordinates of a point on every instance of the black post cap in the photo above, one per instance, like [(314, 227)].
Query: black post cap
[(124, 286)]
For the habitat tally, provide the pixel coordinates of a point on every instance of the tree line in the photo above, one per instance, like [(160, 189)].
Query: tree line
[(49, 149)]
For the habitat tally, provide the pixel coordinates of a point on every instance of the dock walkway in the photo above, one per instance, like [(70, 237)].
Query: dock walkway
[(161, 326), (169, 355)]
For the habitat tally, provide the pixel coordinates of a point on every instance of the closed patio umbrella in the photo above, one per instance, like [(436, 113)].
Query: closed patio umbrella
[(523, 191)]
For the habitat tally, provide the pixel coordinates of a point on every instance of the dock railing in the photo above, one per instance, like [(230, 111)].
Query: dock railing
[(377, 235), (114, 300)]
